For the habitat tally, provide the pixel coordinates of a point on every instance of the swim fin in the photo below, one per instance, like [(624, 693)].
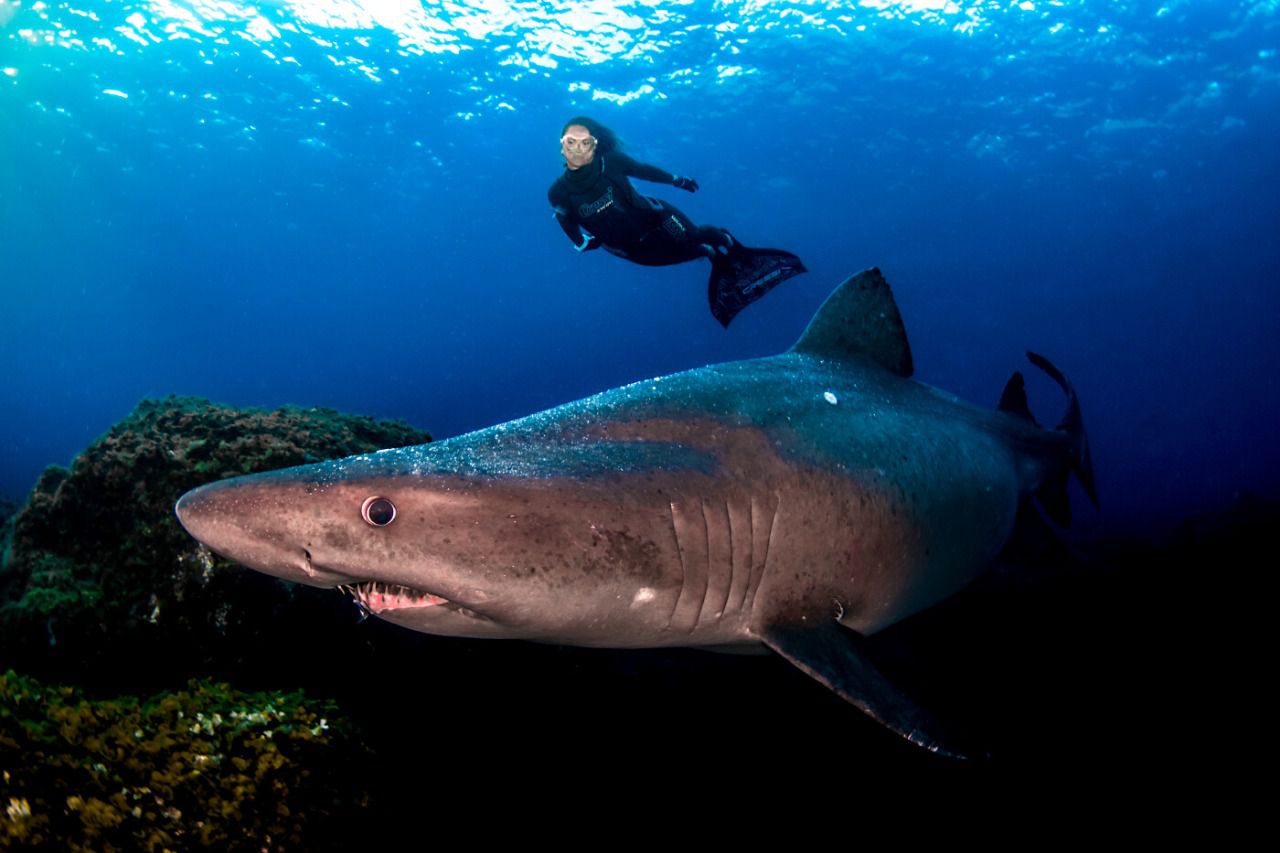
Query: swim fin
[(742, 275)]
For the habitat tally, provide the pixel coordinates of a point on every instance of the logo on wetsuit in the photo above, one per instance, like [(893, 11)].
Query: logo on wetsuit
[(605, 201)]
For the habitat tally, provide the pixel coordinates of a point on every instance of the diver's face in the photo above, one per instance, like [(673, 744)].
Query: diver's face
[(578, 146)]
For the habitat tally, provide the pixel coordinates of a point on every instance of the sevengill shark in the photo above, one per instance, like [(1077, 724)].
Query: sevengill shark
[(798, 502)]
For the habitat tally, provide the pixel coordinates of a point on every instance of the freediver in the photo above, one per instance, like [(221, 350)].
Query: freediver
[(595, 196)]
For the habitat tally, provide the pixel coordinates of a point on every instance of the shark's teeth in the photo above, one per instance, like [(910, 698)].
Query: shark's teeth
[(375, 597)]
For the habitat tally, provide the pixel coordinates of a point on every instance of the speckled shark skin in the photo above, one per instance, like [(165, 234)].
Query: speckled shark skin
[(798, 501)]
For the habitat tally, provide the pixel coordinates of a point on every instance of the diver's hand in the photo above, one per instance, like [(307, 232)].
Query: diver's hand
[(589, 244), (685, 183)]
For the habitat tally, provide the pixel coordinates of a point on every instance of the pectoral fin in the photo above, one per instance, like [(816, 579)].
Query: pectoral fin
[(836, 656)]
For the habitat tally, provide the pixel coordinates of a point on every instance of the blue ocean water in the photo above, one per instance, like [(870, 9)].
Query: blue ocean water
[(343, 203)]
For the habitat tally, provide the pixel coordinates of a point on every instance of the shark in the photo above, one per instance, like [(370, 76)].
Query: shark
[(797, 503)]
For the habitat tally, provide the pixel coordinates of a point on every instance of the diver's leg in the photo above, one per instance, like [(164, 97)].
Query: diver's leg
[(674, 239)]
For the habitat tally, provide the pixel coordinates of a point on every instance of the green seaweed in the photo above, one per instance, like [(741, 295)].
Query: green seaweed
[(56, 585), (208, 766)]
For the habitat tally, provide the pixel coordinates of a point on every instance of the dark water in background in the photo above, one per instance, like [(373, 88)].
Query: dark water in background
[(343, 204)]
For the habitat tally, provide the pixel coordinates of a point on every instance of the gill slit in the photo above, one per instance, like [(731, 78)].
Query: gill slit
[(749, 566), (727, 606), (684, 569), (768, 548), (706, 538)]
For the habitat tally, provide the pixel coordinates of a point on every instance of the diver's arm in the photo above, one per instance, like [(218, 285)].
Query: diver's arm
[(635, 169), (581, 242), (559, 209)]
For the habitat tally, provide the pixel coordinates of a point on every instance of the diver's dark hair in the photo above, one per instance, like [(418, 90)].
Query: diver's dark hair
[(606, 139)]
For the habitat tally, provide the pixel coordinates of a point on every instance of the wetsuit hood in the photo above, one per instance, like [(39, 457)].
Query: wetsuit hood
[(580, 179)]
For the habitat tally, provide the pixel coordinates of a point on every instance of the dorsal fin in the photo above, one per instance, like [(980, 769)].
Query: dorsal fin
[(860, 319), (1014, 398)]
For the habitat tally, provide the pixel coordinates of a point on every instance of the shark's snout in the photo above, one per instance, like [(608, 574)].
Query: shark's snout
[(206, 513), (192, 513), (243, 525)]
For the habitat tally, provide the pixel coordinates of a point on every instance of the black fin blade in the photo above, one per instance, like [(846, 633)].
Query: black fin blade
[(1013, 399), (836, 656), (745, 275)]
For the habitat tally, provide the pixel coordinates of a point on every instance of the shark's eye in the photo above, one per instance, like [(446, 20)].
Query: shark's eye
[(378, 511)]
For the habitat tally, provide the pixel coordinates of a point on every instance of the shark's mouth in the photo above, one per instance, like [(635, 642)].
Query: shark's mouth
[(375, 597)]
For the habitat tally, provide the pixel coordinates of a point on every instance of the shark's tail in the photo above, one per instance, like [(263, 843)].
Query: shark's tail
[(1052, 494)]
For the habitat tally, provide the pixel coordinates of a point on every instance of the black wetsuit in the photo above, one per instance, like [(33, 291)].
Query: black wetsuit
[(600, 199)]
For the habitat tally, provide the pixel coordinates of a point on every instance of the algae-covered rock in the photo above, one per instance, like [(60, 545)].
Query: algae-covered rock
[(205, 767), (101, 584)]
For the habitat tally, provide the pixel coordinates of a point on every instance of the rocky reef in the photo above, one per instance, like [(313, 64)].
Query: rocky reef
[(101, 588), (100, 584)]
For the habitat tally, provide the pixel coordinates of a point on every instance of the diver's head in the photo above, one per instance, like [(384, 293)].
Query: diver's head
[(582, 137), (578, 146)]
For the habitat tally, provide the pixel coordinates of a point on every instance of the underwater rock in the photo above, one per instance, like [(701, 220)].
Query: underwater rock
[(101, 585)]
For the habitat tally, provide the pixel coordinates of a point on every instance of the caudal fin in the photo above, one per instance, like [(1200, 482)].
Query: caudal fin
[(1052, 496)]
